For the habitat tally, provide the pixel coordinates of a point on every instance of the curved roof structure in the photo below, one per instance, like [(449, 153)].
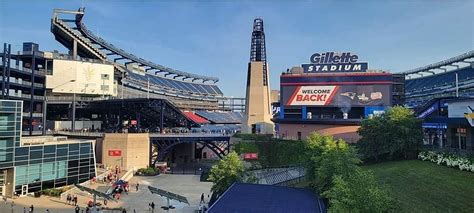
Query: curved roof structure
[(92, 46), (463, 58)]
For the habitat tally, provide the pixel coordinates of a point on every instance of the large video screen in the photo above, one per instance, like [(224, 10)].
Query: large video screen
[(337, 95), (81, 78)]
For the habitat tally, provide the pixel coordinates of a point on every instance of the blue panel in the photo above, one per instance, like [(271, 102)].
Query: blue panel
[(303, 112), (373, 110)]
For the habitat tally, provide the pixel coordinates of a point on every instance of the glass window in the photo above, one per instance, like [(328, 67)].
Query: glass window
[(34, 155), (49, 149), (73, 147), (21, 151), (35, 177), (62, 152), (21, 170)]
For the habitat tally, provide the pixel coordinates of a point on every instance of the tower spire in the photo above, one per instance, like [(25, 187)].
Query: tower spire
[(257, 118), (257, 49)]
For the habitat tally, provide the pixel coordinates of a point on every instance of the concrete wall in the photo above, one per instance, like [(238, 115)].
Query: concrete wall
[(257, 105), (347, 133), (9, 182), (135, 150)]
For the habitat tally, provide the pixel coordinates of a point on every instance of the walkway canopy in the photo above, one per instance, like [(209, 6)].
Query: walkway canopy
[(255, 198)]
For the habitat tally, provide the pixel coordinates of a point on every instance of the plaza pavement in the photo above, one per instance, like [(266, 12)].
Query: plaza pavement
[(188, 186)]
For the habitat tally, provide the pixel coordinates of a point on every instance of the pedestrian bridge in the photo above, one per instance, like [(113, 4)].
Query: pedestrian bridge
[(162, 144)]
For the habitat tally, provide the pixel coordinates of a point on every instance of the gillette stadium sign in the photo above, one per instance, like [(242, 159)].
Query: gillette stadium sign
[(334, 62)]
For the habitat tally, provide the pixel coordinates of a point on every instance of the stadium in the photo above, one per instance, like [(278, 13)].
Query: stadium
[(97, 92), (441, 95), (332, 95)]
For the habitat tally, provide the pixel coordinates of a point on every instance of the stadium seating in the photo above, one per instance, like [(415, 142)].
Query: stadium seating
[(181, 86), (423, 89), (221, 117)]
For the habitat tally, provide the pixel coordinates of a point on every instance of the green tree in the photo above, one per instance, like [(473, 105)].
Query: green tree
[(407, 132), (327, 158), (397, 133), (359, 192), (228, 171)]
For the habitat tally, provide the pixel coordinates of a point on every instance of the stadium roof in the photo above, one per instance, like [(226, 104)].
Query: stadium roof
[(253, 198), (447, 62)]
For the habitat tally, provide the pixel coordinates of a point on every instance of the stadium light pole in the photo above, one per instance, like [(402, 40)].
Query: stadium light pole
[(457, 85), (148, 88), (73, 125)]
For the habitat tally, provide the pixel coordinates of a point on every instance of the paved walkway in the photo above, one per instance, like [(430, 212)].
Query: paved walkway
[(188, 186)]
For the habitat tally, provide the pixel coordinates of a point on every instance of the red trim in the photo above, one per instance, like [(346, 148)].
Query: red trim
[(332, 95), (333, 74), (293, 95), (336, 83)]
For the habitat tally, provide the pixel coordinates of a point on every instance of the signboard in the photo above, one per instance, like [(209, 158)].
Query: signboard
[(340, 95), (251, 156), (335, 62), (434, 125), (275, 109), (133, 122), (115, 152)]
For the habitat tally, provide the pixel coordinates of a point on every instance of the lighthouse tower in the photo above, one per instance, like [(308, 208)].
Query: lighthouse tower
[(257, 118)]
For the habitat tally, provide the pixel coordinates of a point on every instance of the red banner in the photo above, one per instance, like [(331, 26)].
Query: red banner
[(251, 156), (115, 152)]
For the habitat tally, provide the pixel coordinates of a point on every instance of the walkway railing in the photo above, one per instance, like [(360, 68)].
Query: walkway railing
[(280, 176), (101, 134)]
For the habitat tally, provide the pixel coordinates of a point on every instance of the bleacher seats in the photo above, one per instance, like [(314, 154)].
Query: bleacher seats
[(221, 117), (176, 85), (420, 90)]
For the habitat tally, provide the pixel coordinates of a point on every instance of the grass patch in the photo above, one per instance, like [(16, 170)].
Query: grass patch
[(421, 186)]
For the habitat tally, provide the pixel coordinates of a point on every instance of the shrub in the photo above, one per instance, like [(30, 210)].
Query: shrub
[(53, 192), (327, 158), (149, 171), (359, 192), (449, 160), (395, 134)]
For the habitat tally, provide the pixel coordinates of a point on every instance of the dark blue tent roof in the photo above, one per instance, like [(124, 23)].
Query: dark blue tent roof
[(253, 198)]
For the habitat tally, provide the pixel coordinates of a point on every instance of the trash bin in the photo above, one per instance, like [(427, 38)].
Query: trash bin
[(37, 194)]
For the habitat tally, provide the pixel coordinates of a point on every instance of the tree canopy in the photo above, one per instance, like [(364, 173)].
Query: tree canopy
[(327, 158), (228, 171), (359, 192), (395, 134)]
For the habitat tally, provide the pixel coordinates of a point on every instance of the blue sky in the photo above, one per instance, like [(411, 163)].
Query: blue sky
[(213, 37)]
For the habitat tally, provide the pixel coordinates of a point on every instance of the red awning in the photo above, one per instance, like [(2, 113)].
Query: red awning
[(196, 118)]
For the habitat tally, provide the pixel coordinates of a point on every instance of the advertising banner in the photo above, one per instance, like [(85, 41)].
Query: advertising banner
[(251, 156), (115, 152), (339, 96)]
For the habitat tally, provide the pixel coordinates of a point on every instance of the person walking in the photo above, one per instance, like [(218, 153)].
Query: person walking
[(32, 208), (24, 209), (202, 198), (68, 199), (152, 207), (77, 209), (136, 187)]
